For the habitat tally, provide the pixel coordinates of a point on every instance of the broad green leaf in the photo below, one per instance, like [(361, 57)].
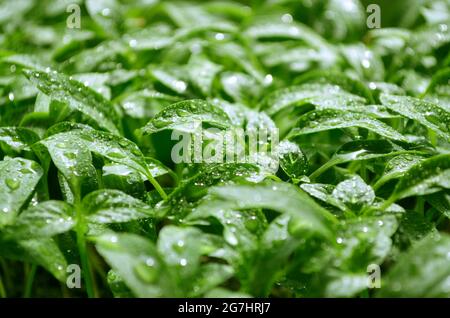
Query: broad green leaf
[(16, 139), (18, 179), (114, 148), (322, 120), (422, 271), (139, 264), (171, 77), (294, 31), (106, 13), (123, 178), (77, 97), (322, 96), (428, 114), (113, 206), (241, 228), (360, 243), (46, 253), (280, 197), (201, 73), (43, 251), (26, 61), (146, 103), (185, 116), (72, 158), (196, 186), (426, 177), (46, 219), (182, 249), (347, 83), (397, 166), (360, 150)]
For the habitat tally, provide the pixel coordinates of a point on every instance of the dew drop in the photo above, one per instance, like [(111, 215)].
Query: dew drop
[(106, 12), (146, 274), (183, 262), (12, 183)]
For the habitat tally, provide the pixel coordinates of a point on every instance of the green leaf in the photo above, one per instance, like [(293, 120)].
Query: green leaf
[(17, 139), (45, 219), (117, 149), (73, 160), (354, 193), (292, 159), (347, 83), (185, 116), (428, 114), (397, 166), (322, 120), (77, 97), (18, 179), (322, 96), (360, 150), (139, 264), (43, 251), (113, 206), (106, 13), (202, 72), (280, 197), (426, 177), (421, 272)]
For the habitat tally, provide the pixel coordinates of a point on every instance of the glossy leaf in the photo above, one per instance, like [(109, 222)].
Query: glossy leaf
[(18, 179)]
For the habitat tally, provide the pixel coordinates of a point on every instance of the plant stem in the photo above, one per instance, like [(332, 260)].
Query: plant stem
[(323, 168), (157, 186), (2, 289), (81, 242), (29, 281), (420, 205)]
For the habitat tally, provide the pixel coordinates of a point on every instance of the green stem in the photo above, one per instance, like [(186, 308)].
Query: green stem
[(2, 289), (81, 242), (29, 281), (379, 183), (156, 185), (387, 203), (323, 168), (420, 205), (432, 136)]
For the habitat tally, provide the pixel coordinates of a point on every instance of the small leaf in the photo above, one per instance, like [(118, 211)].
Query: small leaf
[(202, 72), (73, 160), (354, 193), (322, 96), (113, 206), (422, 271), (344, 81), (280, 197), (18, 179), (426, 177), (77, 97), (292, 159), (139, 264), (426, 113), (185, 116), (17, 139), (316, 121), (46, 219)]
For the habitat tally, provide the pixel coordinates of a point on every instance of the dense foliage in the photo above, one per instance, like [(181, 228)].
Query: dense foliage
[(87, 177)]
